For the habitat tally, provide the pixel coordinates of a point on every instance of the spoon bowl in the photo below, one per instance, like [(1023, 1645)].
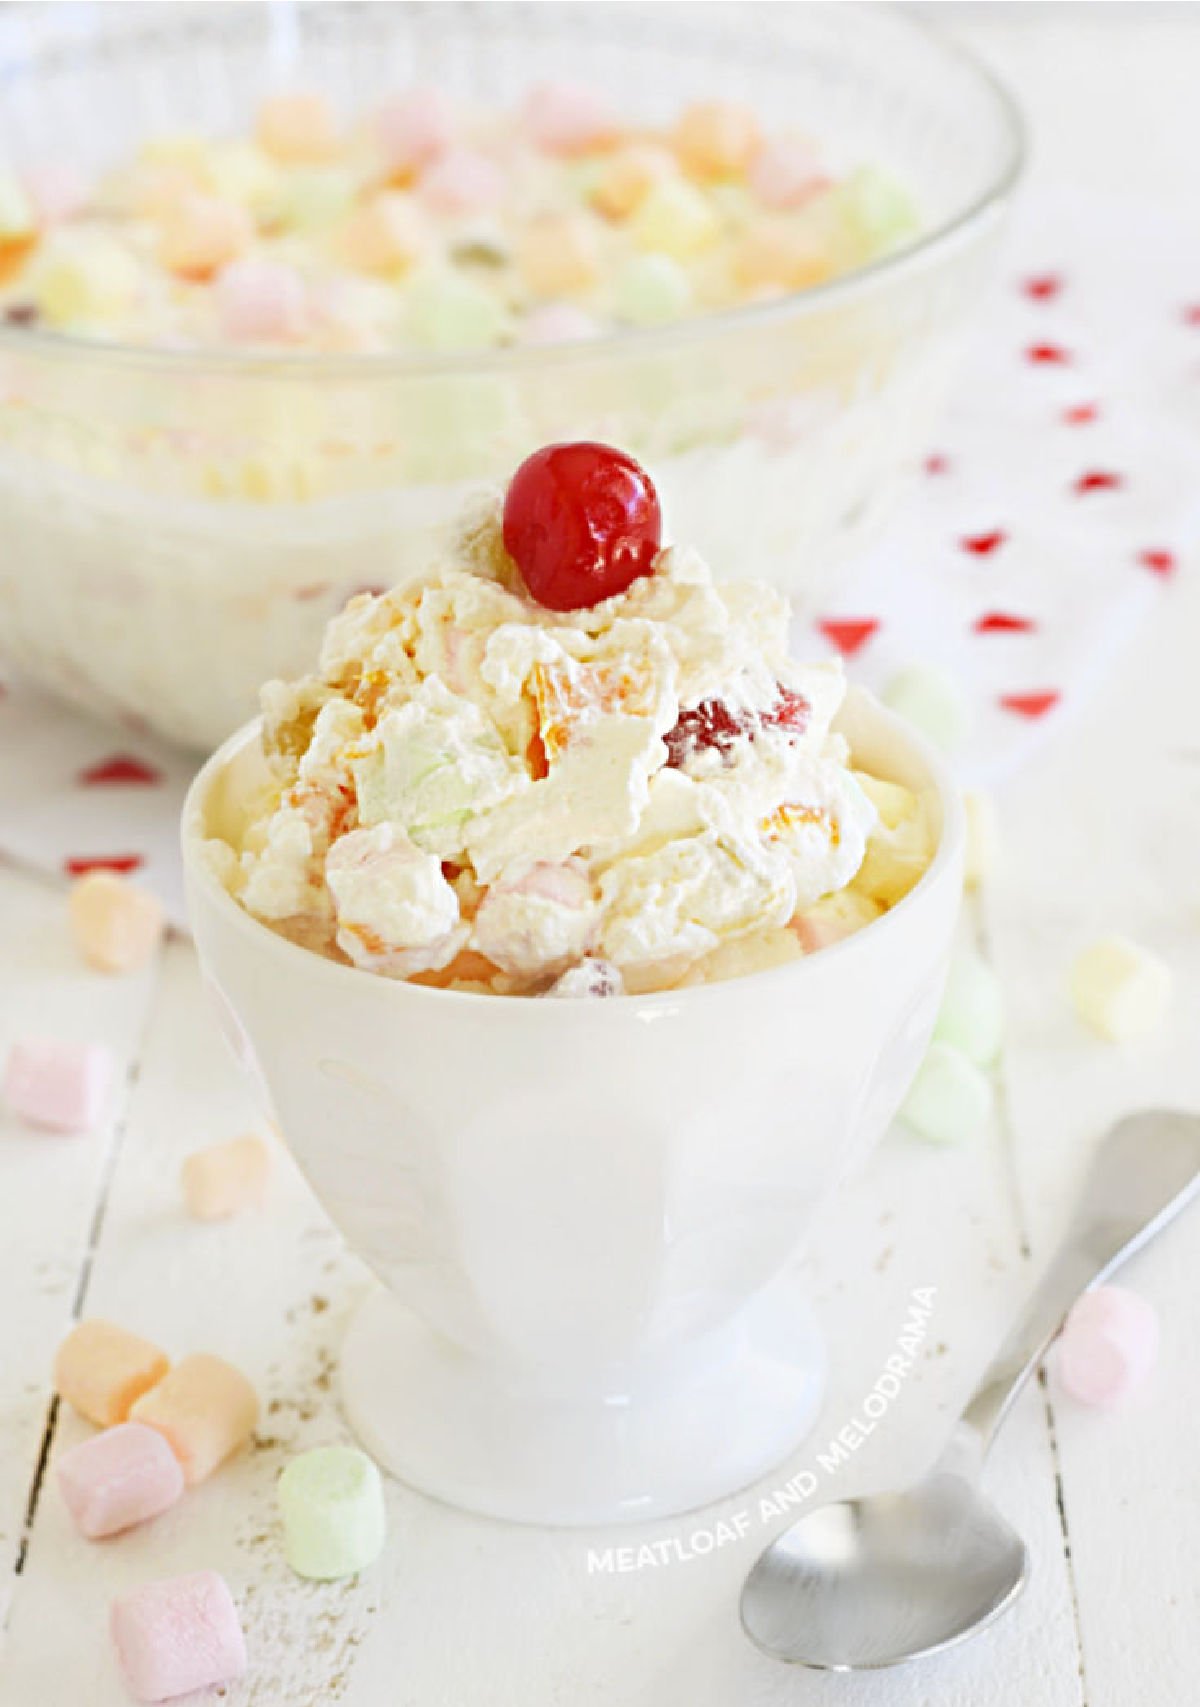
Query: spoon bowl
[(867, 1583)]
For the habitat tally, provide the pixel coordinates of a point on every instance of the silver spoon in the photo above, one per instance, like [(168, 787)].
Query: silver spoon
[(872, 1582)]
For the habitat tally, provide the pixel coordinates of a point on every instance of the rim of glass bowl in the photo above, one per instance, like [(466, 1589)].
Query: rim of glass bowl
[(636, 340), (651, 1003)]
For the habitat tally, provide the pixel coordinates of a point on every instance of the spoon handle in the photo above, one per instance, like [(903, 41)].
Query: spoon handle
[(1140, 1177)]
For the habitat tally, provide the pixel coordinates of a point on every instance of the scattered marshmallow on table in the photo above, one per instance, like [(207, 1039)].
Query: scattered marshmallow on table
[(1120, 989), (1108, 1346), (933, 703), (331, 1504), (206, 1409), (56, 1084), (177, 1635), (117, 925), (226, 1178), (102, 1370), (972, 1012), (118, 1478), (950, 1098)]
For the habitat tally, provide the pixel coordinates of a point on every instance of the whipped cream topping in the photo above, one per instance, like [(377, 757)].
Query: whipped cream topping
[(478, 792)]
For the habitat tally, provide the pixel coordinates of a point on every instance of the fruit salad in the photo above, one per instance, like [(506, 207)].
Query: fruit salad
[(429, 226), (567, 762)]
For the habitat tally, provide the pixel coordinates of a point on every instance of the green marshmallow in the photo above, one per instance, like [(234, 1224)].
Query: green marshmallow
[(447, 311), (651, 290), (972, 1012), (950, 1098), (932, 703), (331, 1503)]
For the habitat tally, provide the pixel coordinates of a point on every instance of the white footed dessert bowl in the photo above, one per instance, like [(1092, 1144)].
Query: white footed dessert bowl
[(583, 1212)]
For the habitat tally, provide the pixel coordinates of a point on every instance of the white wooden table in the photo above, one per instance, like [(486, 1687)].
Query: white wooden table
[(1099, 833)]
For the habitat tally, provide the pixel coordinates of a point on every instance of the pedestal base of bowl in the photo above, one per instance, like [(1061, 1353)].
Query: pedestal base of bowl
[(708, 1419)]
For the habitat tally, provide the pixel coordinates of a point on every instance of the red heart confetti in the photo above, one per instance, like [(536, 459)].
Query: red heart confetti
[(1081, 414), (1048, 355), (121, 863), (121, 770), (937, 463), (1158, 562), (983, 544), (1004, 622), (1044, 288), (848, 634), (1031, 705), (1191, 314), (1097, 480)]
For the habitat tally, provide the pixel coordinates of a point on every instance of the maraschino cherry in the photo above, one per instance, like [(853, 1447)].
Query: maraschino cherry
[(582, 522)]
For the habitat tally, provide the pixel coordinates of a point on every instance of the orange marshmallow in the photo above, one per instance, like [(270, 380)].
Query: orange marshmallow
[(557, 255), (386, 237), (117, 926), (298, 128), (777, 256), (202, 234), (226, 1178), (716, 140), (623, 183), (103, 1370), (205, 1408)]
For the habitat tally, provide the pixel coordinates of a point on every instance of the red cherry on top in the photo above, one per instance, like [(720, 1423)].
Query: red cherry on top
[(582, 522)]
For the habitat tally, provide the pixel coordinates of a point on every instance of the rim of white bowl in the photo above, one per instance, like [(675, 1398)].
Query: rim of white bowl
[(650, 1004), (987, 204)]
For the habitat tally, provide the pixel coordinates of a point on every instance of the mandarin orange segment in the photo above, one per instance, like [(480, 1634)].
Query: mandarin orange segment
[(566, 698)]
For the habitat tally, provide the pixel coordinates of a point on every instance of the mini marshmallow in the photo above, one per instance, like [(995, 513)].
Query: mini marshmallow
[(202, 234), (57, 192), (972, 1011), (676, 219), (775, 255), (786, 174), (1120, 990), (650, 290), (261, 302), (297, 128), (117, 925), (557, 254), (178, 1635), (558, 323), (85, 275), (461, 182), (622, 183), (717, 139), (950, 1098), (331, 1504), (58, 1085), (103, 1370), (205, 1408), (118, 1478), (566, 118), (932, 702), (1108, 1346), (226, 1178), (386, 237), (983, 836), (446, 311), (414, 128)]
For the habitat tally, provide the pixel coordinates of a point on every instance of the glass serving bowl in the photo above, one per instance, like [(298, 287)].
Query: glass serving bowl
[(179, 525)]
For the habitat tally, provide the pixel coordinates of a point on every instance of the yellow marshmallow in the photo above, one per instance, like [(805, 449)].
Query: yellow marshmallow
[(226, 1178), (102, 1370), (117, 926), (205, 1408), (717, 140), (557, 255), (675, 219)]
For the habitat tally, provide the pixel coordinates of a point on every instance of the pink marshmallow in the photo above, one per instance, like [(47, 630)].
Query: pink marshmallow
[(1108, 1346), (565, 118), (176, 1635), (262, 301), (57, 192), (460, 182), (119, 1478), (786, 175), (558, 323), (414, 128), (52, 1083)]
